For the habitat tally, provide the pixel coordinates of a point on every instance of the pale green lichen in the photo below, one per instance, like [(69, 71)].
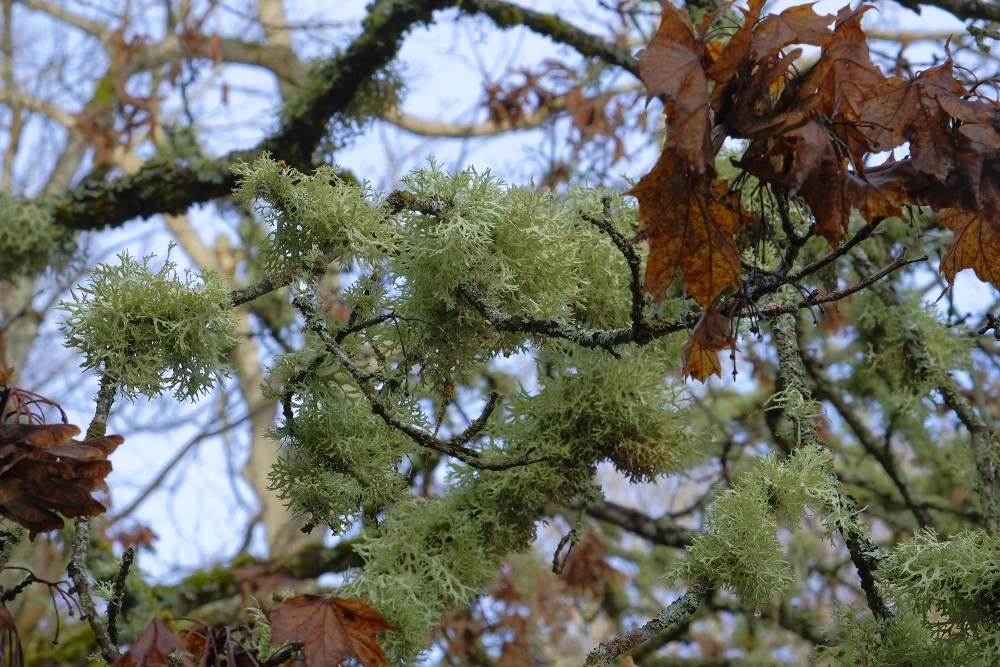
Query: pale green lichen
[(30, 241), (739, 548), (152, 332), (310, 216)]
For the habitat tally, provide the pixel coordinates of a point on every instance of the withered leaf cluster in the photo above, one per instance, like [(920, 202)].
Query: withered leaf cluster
[(45, 473), (809, 133)]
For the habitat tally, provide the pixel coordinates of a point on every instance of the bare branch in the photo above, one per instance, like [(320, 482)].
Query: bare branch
[(508, 15), (93, 28)]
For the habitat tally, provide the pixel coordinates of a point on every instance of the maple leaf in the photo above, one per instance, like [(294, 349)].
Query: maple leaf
[(728, 60), (875, 201), (43, 472), (153, 648), (796, 25), (976, 246), (804, 162), (330, 629), (689, 220), (671, 68), (701, 354)]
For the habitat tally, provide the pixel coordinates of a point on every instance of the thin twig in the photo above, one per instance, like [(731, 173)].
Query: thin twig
[(77, 570), (775, 309), (452, 447), (679, 611), (632, 258), (115, 603)]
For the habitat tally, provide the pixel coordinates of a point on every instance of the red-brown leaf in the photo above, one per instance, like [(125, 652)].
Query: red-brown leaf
[(671, 68), (43, 472), (689, 220), (976, 246), (153, 647), (701, 354), (330, 629)]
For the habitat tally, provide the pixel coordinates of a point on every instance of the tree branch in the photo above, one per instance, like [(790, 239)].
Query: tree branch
[(983, 440), (792, 373), (827, 392), (507, 15), (638, 523), (679, 610), (77, 570), (969, 10), (328, 90), (454, 447)]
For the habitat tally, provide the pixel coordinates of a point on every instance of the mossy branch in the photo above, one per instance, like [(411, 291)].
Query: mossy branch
[(330, 89), (827, 391), (679, 611), (983, 440), (77, 567), (77, 570), (792, 375), (967, 10), (507, 15)]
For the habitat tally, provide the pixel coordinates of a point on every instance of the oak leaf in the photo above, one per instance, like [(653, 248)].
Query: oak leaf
[(701, 354), (689, 220), (44, 473), (153, 648), (330, 629)]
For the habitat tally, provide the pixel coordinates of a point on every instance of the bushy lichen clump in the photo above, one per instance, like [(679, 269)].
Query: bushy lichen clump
[(527, 253), (30, 241), (594, 407), (313, 215), (890, 355), (739, 548), (149, 331), (438, 261), (958, 578), (340, 456)]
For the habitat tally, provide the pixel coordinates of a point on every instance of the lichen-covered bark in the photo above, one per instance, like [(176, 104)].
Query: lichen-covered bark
[(329, 90)]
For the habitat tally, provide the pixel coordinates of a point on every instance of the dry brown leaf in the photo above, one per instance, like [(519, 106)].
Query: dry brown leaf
[(671, 68), (701, 354), (330, 629), (43, 473), (976, 246), (689, 220), (153, 647)]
